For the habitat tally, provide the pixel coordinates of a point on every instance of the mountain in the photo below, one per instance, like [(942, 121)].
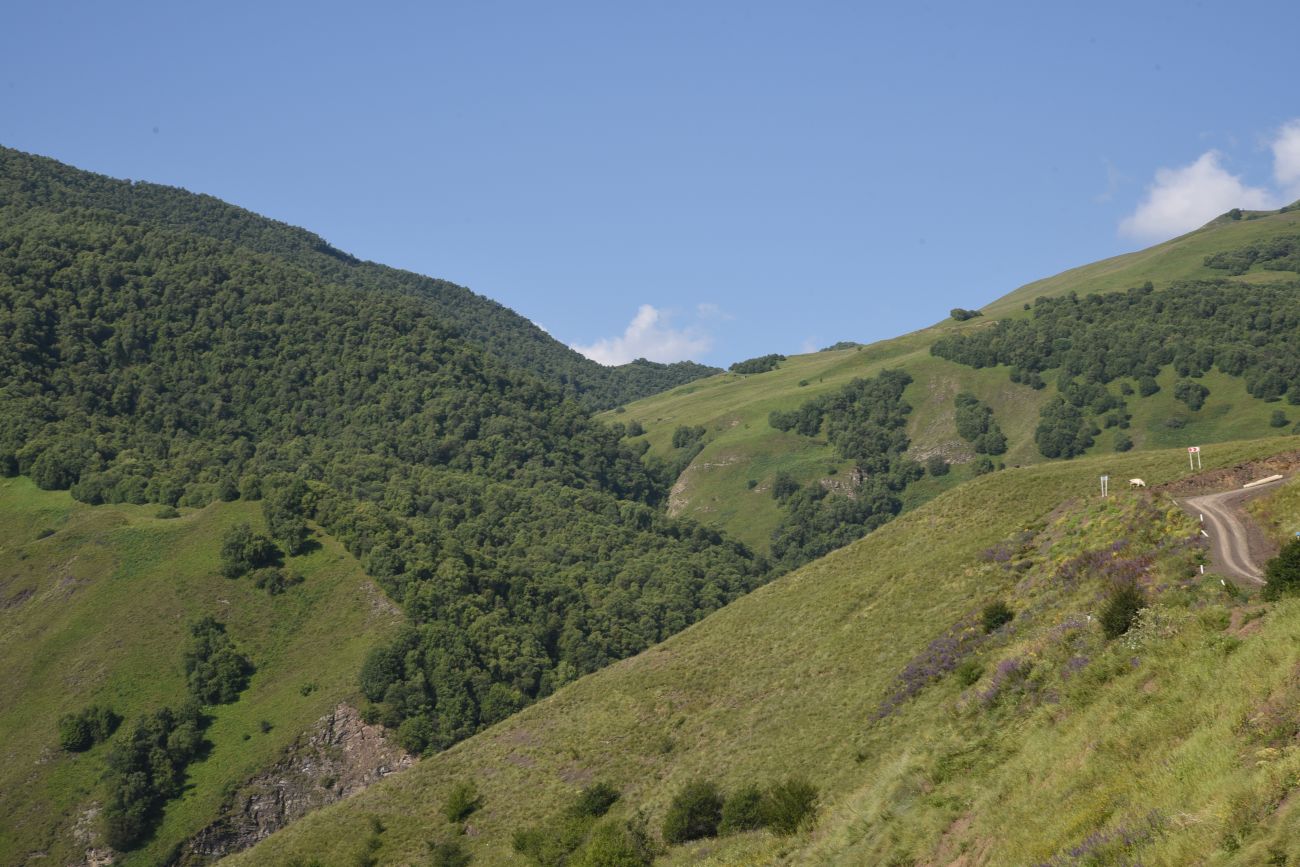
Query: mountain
[(869, 674), (1220, 315), (31, 182), (167, 349)]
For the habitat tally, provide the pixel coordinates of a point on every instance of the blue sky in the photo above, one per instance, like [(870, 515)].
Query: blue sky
[(705, 180)]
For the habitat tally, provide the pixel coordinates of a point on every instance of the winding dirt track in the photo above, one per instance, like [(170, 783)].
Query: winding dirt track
[(1236, 544)]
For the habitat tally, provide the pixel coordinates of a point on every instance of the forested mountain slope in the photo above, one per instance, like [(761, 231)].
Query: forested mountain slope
[(1188, 342), (148, 360), (932, 733), (31, 182)]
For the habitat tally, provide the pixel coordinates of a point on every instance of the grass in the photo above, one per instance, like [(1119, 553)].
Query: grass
[(742, 447), (96, 612), (787, 680)]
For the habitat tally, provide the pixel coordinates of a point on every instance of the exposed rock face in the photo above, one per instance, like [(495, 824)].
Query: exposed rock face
[(340, 756)]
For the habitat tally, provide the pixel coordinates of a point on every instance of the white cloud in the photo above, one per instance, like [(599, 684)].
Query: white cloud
[(649, 335), (1286, 159), (1185, 198)]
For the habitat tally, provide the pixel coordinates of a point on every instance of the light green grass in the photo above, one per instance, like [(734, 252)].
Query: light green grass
[(97, 613), (785, 681)]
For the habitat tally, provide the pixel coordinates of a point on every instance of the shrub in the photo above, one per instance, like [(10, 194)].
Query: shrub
[(1147, 386), (147, 769), (742, 811), (242, 551), (784, 486), (80, 731), (1121, 609), (551, 845), (936, 466), (215, 671), (788, 804), (166, 512), (448, 853), (961, 314), (1282, 573), (996, 614), (687, 436), (982, 465), (1278, 419), (461, 801), (275, 580), (594, 801), (616, 844), (969, 672), (761, 364), (694, 813), (1123, 442), (635, 428)]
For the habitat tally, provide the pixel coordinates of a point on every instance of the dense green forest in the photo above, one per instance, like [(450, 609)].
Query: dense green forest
[(1127, 338), (866, 422), (28, 181), (147, 363)]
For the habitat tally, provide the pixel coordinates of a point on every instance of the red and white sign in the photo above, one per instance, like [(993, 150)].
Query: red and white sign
[(1193, 450)]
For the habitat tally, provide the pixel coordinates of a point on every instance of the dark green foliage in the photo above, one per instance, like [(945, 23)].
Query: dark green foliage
[(462, 800), (242, 551), (968, 672), (1274, 254), (635, 428), (275, 580), (1121, 609), (215, 671), (685, 437), (449, 853), (80, 731), (551, 845), (147, 769), (164, 347), (841, 344), (960, 314), (595, 800), (996, 614), (788, 804), (975, 424), (1245, 331), (982, 466), (936, 465), (1123, 442), (742, 811), (866, 422), (695, 813), (761, 364), (784, 486), (1191, 393), (1278, 419), (1064, 431), (1282, 573), (167, 512)]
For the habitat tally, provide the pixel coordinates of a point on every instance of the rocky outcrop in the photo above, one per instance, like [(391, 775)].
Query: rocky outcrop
[(340, 756)]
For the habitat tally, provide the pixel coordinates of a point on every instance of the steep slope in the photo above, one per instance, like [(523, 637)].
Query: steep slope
[(844, 673), (31, 182), (728, 483), (94, 608)]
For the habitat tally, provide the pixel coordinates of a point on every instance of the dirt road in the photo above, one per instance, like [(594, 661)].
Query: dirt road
[(1238, 547)]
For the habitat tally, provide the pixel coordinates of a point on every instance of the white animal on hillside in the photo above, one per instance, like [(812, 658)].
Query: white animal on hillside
[(1136, 483)]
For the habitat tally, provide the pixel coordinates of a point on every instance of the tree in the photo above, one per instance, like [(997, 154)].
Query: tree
[(1278, 419), (215, 671), (242, 551), (936, 465), (1123, 442), (1191, 393), (1282, 573), (784, 486), (695, 813), (284, 509), (92, 725), (462, 800), (788, 804), (1121, 609)]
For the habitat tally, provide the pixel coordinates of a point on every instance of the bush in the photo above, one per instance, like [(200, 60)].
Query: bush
[(996, 614), (462, 801), (982, 465), (742, 811), (147, 769), (685, 436), (594, 801), (695, 813), (616, 844), (1278, 419), (1282, 573), (242, 551), (1147, 386), (1123, 442), (784, 486), (761, 364), (961, 314), (1121, 609), (167, 512), (80, 731), (936, 466), (275, 580), (551, 845), (448, 853), (788, 804), (215, 671), (969, 672)]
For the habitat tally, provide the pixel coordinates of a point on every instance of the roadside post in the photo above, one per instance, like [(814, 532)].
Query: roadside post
[(1193, 452)]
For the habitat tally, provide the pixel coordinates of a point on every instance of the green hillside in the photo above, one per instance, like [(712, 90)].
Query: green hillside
[(728, 484), (1169, 745), (94, 606)]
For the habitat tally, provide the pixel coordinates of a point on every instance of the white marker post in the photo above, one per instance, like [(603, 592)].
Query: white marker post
[(1193, 452), (1105, 485)]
